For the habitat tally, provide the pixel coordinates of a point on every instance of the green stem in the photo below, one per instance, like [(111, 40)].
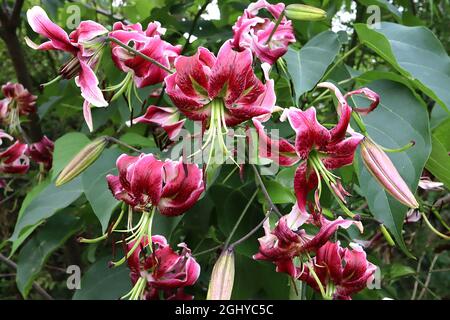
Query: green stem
[(117, 141), (435, 231), (325, 76), (265, 192), (238, 222), (143, 56), (401, 149), (277, 24), (104, 236)]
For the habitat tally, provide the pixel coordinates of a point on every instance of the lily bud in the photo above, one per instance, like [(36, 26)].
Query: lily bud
[(304, 12), (82, 161), (222, 277), (384, 171)]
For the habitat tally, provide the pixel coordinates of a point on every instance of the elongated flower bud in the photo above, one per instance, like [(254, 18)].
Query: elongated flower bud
[(82, 161), (304, 12), (222, 277), (384, 171)]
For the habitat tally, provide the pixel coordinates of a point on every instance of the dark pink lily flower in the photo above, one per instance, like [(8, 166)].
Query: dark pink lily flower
[(287, 240), (346, 271), (224, 87), (165, 117), (147, 42), (42, 152), (145, 182), (164, 270), (252, 31), (18, 102), (14, 159), (85, 44)]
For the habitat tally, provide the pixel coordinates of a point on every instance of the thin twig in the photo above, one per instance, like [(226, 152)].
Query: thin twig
[(427, 281), (416, 283), (126, 145), (194, 25), (238, 222), (140, 54), (264, 191), (255, 229), (36, 286)]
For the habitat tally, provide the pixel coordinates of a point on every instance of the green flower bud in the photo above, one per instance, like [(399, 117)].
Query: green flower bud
[(82, 161), (304, 12)]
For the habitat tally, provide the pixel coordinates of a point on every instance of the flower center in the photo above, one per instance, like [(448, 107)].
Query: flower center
[(214, 145)]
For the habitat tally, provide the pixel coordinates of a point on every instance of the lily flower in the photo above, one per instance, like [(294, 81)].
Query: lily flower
[(145, 182), (85, 44), (165, 117), (220, 92), (338, 272), (14, 159), (287, 240), (161, 271), (267, 40), (149, 43), (18, 102), (42, 152)]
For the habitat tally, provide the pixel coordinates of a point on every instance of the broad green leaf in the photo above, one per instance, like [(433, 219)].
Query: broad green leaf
[(307, 65), (66, 148), (416, 53), (258, 280), (136, 139), (96, 188), (398, 119), (46, 204), (25, 203), (103, 283), (229, 206), (35, 253), (384, 4), (279, 193), (396, 271), (439, 162)]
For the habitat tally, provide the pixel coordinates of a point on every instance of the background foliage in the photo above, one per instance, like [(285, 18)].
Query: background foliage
[(405, 60)]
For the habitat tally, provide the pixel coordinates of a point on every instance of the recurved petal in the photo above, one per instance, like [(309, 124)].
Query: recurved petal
[(88, 83), (305, 180), (342, 153), (309, 132), (40, 23)]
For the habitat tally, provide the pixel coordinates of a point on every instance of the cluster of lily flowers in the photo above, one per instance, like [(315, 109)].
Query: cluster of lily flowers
[(221, 91), (18, 102)]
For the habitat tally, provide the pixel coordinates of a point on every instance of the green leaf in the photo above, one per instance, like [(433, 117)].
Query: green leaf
[(279, 193), (25, 203), (103, 283), (439, 162), (46, 204), (66, 148), (307, 65), (416, 53), (384, 4), (135, 139), (35, 253), (396, 271), (96, 188), (399, 118), (230, 203)]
